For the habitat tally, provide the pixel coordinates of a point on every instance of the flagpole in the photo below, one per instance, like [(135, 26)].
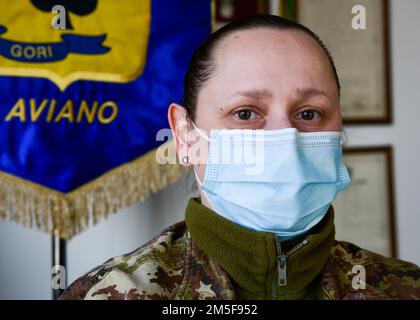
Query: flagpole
[(58, 265)]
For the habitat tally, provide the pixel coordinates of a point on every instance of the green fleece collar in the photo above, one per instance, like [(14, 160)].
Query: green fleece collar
[(251, 258)]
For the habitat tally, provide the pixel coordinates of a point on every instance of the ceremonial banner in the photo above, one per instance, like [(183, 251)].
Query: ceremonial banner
[(80, 107)]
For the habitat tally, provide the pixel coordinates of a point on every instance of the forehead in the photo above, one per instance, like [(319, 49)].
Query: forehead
[(272, 57)]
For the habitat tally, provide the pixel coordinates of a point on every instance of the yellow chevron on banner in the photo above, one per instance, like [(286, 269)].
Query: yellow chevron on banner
[(105, 42)]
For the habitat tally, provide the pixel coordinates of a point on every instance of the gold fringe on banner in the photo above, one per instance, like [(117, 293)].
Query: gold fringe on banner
[(67, 214)]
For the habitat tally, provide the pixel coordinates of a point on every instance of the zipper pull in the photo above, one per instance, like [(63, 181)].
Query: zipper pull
[(281, 268)]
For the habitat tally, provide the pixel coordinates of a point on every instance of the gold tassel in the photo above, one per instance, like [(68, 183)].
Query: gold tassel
[(67, 214)]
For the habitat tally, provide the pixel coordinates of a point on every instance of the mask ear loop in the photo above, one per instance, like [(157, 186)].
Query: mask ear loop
[(204, 136), (203, 192), (197, 179), (185, 158), (199, 131), (343, 138)]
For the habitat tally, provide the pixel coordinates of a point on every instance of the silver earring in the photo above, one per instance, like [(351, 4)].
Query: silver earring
[(185, 159)]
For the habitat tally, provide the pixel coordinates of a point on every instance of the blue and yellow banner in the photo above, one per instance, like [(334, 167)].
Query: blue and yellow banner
[(80, 107)]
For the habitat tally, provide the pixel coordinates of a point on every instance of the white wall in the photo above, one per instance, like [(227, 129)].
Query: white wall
[(25, 253), (404, 133)]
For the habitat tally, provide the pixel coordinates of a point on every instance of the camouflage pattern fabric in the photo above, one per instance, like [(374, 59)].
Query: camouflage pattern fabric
[(171, 266)]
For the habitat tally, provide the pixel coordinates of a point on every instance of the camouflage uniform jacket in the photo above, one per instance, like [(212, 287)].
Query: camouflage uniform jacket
[(172, 266)]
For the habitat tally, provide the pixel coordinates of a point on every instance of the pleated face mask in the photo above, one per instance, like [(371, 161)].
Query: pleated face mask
[(278, 181)]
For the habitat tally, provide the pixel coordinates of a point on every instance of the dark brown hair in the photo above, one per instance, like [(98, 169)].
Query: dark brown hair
[(202, 64)]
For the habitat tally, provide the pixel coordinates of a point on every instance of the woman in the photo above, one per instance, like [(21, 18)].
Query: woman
[(267, 158)]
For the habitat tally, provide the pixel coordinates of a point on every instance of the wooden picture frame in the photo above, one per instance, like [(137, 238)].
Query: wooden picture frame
[(362, 57), (226, 11), (365, 212)]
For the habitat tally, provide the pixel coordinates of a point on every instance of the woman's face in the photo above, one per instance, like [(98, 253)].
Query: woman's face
[(268, 79)]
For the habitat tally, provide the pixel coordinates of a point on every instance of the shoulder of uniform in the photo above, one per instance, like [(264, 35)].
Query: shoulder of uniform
[(152, 271), (385, 277)]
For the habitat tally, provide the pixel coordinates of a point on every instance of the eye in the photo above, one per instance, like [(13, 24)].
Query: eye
[(309, 115), (245, 114)]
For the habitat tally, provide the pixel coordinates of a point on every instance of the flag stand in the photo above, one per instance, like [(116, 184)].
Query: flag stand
[(58, 259)]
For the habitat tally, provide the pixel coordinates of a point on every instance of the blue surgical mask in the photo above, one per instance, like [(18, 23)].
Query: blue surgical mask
[(278, 181)]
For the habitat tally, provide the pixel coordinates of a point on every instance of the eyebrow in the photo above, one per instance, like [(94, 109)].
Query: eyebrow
[(306, 93), (256, 94)]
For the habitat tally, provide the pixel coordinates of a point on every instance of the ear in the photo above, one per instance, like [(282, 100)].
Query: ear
[(177, 117)]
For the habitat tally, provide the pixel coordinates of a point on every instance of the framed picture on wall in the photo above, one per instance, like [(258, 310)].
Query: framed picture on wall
[(364, 213), (229, 10), (356, 33)]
